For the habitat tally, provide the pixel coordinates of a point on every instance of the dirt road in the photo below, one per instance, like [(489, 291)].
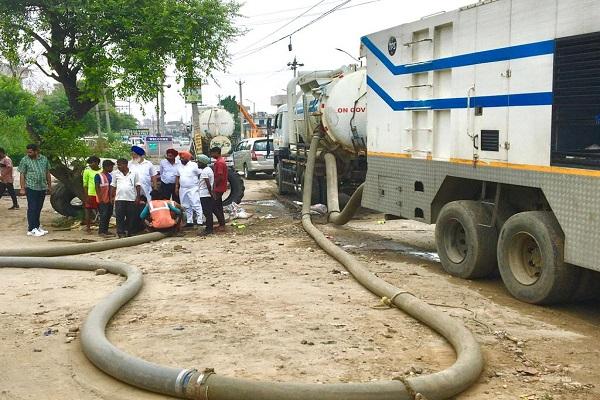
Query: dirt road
[(263, 302)]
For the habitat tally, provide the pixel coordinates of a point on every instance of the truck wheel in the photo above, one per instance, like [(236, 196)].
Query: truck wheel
[(466, 247), (61, 200), (531, 259), (281, 189), (247, 173), (236, 188)]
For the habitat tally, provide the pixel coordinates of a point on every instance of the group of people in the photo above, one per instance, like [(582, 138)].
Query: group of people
[(177, 193), (141, 196)]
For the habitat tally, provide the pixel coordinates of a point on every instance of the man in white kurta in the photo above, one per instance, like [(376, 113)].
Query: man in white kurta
[(187, 186), (144, 169)]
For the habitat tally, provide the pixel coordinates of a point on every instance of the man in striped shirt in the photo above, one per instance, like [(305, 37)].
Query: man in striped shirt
[(36, 182)]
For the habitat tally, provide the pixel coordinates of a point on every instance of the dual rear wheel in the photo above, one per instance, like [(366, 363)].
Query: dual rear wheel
[(528, 251)]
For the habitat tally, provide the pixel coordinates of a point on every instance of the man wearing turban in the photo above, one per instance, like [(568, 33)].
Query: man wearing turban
[(144, 169)]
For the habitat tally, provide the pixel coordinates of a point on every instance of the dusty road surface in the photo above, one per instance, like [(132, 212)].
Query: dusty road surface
[(263, 302)]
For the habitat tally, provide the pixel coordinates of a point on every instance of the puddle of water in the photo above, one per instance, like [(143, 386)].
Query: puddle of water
[(403, 249), (264, 203)]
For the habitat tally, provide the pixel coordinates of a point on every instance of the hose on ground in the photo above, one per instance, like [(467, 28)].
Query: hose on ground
[(97, 348), (82, 248), (204, 384), (469, 362)]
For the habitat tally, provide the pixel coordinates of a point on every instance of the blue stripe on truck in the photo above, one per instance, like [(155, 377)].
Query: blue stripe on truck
[(505, 100), (463, 60)]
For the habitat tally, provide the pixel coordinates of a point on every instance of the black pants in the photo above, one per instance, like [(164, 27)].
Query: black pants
[(11, 191), (168, 190), (207, 210), (105, 210), (35, 202), (218, 208), (126, 219)]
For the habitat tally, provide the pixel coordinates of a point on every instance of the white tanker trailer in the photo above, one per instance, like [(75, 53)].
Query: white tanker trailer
[(217, 125), (330, 102)]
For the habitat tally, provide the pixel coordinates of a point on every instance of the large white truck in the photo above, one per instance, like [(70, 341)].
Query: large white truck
[(486, 121), (332, 103)]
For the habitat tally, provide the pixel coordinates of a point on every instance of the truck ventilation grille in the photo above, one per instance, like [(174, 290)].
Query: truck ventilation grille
[(576, 108), (490, 140)]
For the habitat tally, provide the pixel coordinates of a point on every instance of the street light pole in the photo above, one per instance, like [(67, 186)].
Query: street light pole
[(350, 55)]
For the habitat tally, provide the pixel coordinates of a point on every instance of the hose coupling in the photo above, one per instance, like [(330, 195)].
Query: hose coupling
[(197, 387), (183, 379)]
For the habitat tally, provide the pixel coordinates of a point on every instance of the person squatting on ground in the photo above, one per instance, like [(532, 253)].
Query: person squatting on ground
[(144, 170), (89, 188), (168, 174), (104, 197), (187, 188), (162, 214), (126, 191), (36, 182), (207, 180), (220, 185), (6, 179)]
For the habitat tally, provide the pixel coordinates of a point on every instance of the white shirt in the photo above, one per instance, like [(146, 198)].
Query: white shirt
[(145, 170), (125, 185), (206, 173), (188, 174), (168, 171)]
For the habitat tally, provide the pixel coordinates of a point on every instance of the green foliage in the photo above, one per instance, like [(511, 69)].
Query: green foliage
[(14, 100), (13, 136), (15, 104), (230, 104), (111, 147)]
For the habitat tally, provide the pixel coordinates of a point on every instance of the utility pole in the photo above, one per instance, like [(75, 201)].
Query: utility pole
[(242, 135), (98, 120), (106, 113), (157, 114), (294, 65), (163, 127)]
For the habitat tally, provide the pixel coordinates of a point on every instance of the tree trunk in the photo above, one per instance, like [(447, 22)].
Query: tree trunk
[(71, 178)]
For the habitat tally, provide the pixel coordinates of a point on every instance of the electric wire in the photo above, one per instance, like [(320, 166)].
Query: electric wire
[(289, 35), (283, 26), (274, 21)]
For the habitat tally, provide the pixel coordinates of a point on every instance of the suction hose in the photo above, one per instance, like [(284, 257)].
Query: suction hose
[(333, 204), (204, 384), (469, 362), (97, 348), (82, 248)]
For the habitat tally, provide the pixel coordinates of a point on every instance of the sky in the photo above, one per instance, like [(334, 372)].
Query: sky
[(265, 72)]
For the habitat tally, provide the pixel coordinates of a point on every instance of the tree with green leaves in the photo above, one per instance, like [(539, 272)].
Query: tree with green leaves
[(121, 47), (15, 105)]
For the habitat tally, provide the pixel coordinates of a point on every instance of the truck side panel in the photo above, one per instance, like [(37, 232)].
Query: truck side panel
[(469, 95)]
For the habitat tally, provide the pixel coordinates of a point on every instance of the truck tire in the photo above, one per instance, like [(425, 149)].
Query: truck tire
[(467, 248), (281, 188), (531, 259), (236, 188), (61, 199)]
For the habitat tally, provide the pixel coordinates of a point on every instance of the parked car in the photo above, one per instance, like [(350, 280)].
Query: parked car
[(253, 155)]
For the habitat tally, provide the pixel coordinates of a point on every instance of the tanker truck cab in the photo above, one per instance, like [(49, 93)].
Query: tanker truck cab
[(485, 121)]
